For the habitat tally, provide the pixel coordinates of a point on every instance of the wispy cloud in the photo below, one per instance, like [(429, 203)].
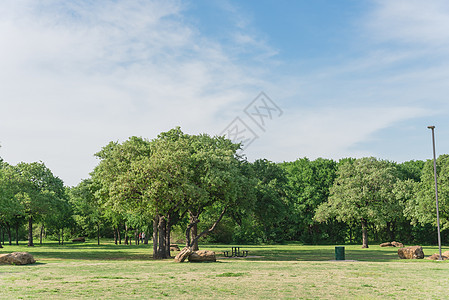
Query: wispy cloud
[(394, 75), (79, 73), (76, 74), (411, 21), (329, 132)]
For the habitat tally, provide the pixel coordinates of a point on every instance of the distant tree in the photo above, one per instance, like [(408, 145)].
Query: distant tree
[(60, 216), (271, 208), (308, 187), (363, 191), (421, 207), (8, 204), (38, 190), (411, 170), (87, 210), (409, 174)]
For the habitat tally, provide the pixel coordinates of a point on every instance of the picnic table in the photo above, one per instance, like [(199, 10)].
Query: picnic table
[(235, 252)]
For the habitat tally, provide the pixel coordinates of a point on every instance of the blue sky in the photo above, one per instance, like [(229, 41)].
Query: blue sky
[(350, 78)]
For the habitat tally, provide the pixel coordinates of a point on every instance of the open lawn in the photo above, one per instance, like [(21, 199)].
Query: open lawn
[(282, 271)]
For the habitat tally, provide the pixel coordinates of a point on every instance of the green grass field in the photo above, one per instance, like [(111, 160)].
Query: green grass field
[(289, 271)]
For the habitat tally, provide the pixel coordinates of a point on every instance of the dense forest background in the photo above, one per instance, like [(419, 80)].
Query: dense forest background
[(187, 188)]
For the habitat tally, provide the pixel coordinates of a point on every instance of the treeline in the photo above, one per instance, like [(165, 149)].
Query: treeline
[(194, 187)]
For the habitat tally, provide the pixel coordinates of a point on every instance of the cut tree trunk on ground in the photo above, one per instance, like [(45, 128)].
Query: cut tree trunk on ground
[(413, 252), (202, 256), (185, 253)]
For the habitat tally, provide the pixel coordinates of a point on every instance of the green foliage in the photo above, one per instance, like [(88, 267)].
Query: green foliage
[(87, 212), (411, 170), (308, 187), (421, 205), (31, 191), (200, 184), (271, 208), (39, 188), (362, 191), (175, 173)]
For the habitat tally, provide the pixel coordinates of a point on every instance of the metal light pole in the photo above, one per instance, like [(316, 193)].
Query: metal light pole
[(436, 188)]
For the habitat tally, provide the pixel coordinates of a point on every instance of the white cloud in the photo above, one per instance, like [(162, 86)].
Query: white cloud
[(75, 75), (411, 21), (78, 74), (327, 132)]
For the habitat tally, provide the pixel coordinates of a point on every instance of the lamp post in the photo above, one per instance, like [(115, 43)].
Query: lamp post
[(436, 189)]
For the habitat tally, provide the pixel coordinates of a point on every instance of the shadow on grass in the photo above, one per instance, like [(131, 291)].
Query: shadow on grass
[(37, 263), (77, 251), (317, 253), (290, 252)]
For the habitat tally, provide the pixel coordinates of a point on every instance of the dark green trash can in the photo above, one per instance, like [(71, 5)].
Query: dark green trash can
[(339, 253)]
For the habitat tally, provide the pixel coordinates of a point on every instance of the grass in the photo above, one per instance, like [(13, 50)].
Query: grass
[(289, 271)]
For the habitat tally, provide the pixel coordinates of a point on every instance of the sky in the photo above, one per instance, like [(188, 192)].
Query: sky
[(287, 78)]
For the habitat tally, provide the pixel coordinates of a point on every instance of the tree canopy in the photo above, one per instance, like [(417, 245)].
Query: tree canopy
[(198, 186), (362, 192)]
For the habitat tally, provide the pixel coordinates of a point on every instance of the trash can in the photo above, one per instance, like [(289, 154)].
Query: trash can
[(339, 253)]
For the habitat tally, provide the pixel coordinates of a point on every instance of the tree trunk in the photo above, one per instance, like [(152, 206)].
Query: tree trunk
[(189, 231), (388, 229), (30, 232), (8, 230), (136, 236), (98, 234), (62, 236), (126, 235), (364, 234), (207, 231), (376, 233), (393, 230), (115, 234), (1, 236), (59, 237), (17, 233), (350, 234), (41, 234), (145, 240), (119, 235), (155, 242), (162, 237), (194, 234), (167, 236)]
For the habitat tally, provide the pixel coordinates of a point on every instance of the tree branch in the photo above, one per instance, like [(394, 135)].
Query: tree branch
[(207, 231)]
